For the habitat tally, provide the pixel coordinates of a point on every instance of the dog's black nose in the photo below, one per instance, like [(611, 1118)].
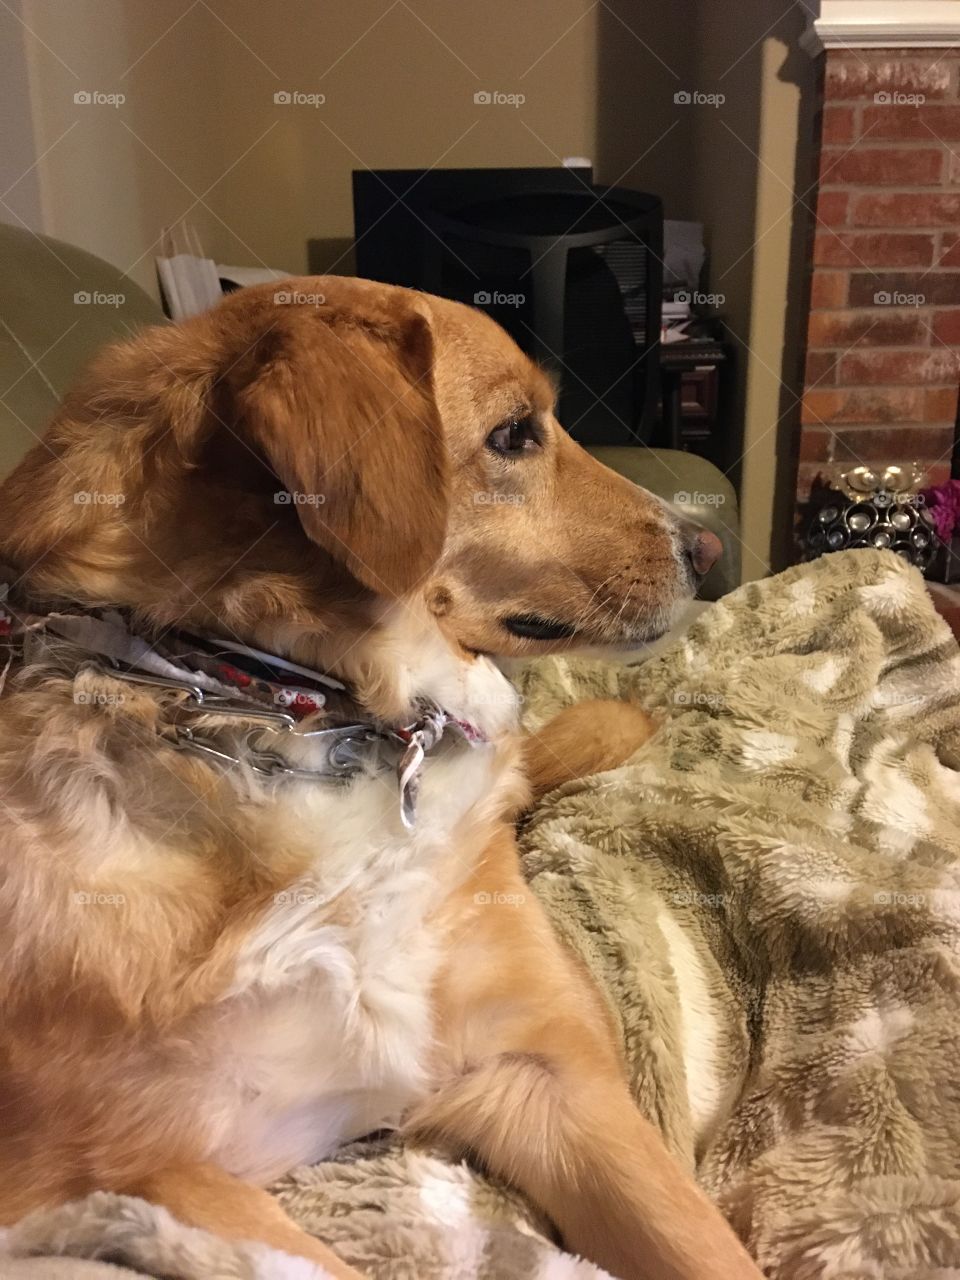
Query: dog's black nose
[(703, 548)]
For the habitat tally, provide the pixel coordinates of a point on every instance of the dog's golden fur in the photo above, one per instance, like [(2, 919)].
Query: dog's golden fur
[(158, 937)]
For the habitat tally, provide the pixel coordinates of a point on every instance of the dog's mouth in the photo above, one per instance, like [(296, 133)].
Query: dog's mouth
[(530, 626)]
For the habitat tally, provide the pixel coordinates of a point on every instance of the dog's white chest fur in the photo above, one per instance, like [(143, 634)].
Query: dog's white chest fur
[(326, 1031)]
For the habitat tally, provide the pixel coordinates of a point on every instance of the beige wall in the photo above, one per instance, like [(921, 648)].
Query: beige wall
[(200, 120), (107, 173), (731, 167), (19, 175), (784, 213), (646, 54), (401, 96), (743, 184)]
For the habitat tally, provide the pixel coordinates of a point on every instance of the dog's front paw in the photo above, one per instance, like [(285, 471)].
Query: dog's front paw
[(586, 738)]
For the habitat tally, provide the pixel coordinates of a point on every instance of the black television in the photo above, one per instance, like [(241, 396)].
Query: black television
[(391, 209)]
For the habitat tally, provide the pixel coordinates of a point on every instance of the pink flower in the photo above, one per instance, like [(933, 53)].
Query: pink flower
[(943, 503)]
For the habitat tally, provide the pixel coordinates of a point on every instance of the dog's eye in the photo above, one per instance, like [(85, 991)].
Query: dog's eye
[(512, 438)]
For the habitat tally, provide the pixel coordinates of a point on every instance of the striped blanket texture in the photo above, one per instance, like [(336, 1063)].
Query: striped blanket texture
[(793, 832)]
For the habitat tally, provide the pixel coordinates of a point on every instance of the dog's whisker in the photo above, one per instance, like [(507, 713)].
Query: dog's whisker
[(595, 604)]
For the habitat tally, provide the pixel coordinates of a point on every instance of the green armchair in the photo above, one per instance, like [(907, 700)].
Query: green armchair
[(59, 304)]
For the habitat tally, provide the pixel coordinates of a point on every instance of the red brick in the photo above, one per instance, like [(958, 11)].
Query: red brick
[(814, 444), (863, 74), (954, 175), (906, 124), (820, 369), (876, 368), (862, 405), (905, 289), (837, 125), (949, 251), (902, 443), (903, 328), (946, 327), (872, 249), (940, 404), (907, 210), (828, 289), (881, 166), (818, 406), (832, 208)]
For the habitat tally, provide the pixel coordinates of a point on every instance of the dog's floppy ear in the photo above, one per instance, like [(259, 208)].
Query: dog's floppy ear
[(342, 409)]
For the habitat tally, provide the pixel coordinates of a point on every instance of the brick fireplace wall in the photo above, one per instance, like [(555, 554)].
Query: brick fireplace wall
[(883, 337)]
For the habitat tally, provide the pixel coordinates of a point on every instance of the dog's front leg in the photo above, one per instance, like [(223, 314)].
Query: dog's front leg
[(585, 738), (532, 1084), (203, 1195)]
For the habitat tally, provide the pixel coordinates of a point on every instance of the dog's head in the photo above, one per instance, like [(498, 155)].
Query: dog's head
[(310, 450), (545, 548)]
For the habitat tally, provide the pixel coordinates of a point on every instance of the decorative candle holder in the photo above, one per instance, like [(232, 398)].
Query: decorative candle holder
[(869, 507)]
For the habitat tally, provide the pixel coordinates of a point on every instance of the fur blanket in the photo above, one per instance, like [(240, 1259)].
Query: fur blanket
[(769, 894)]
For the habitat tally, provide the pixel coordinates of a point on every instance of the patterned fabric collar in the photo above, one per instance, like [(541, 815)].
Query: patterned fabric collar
[(236, 682)]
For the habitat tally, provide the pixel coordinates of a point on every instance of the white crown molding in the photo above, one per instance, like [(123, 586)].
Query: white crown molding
[(879, 24)]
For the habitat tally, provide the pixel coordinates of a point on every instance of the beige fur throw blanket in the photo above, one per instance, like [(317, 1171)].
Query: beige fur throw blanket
[(769, 895)]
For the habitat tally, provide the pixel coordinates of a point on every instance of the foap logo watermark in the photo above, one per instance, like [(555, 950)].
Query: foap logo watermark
[(304, 704), (695, 98), (697, 698), (489, 498), (497, 899), (893, 700), (97, 698), (295, 298), (95, 298), (291, 498), (494, 98), (298, 898), (697, 498), (697, 299), (896, 98), (94, 498), (297, 98), (95, 98), (505, 698), (694, 898), (94, 898), (483, 298), (894, 298), (895, 898)]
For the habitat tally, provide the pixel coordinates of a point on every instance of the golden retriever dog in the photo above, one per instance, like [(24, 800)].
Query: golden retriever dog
[(239, 932)]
